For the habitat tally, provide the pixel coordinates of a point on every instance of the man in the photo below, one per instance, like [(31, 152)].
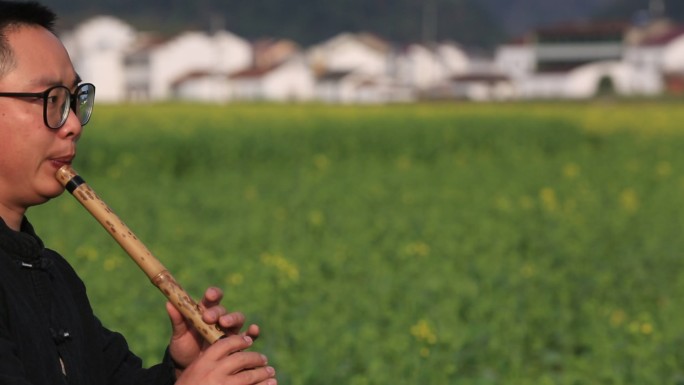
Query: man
[(48, 333)]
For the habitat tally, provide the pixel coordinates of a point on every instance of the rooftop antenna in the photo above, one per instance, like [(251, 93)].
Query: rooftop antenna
[(217, 23), (656, 8), (429, 30)]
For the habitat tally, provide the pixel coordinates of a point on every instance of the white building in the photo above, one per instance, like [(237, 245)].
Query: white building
[(426, 66), (126, 65), (202, 87), (97, 48), (517, 59), (582, 82), (349, 87), (291, 80), (478, 87), (568, 61), (191, 52), (656, 56), (361, 53), (577, 61)]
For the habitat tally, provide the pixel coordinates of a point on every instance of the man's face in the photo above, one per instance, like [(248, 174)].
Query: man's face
[(30, 152)]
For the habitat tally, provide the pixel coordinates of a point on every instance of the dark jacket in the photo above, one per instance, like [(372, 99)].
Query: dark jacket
[(48, 332)]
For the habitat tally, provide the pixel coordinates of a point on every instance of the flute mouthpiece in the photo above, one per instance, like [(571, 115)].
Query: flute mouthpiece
[(65, 174), (68, 177)]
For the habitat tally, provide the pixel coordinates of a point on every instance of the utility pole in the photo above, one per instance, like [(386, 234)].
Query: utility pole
[(656, 8), (429, 24)]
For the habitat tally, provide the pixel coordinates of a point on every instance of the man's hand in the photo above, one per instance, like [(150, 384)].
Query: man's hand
[(226, 363), (187, 344)]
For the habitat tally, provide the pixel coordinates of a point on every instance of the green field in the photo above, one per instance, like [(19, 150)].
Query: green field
[(411, 244)]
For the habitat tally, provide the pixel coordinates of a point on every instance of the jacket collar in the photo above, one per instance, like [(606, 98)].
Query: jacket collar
[(23, 245)]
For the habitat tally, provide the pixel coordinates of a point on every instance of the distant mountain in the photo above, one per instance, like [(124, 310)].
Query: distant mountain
[(638, 9), (473, 23), (305, 21), (520, 16)]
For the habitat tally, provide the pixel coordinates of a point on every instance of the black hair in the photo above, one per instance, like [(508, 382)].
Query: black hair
[(14, 14)]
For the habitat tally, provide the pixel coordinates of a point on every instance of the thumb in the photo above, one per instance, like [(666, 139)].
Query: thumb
[(177, 320)]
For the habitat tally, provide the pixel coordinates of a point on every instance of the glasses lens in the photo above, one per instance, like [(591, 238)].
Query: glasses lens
[(85, 98), (57, 107)]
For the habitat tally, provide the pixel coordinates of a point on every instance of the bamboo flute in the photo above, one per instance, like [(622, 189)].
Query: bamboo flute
[(150, 265)]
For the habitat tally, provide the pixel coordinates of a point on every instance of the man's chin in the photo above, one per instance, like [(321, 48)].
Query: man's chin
[(47, 195)]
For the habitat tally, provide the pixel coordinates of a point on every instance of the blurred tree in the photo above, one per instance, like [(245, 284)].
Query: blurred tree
[(305, 21)]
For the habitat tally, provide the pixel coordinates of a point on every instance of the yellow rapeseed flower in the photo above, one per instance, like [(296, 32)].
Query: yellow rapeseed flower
[(408, 198), (663, 169), (404, 163), (503, 203), (423, 332), (280, 214), (235, 279), (646, 328), (316, 218), (629, 200), (88, 252), (111, 263), (617, 317), (127, 160), (571, 170), (528, 270), (321, 162), (418, 249), (526, 202), (287, 269), (548, 199), (251, 193), (114, 172)]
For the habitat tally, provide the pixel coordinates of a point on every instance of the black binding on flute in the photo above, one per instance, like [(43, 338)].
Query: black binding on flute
[(74, 183)]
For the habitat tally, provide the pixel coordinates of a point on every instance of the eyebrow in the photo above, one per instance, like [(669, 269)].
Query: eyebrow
[(52, 82)]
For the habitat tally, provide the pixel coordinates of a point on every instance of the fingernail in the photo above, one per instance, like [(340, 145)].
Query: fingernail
[(263, 357), (270, 370), (248, 339)]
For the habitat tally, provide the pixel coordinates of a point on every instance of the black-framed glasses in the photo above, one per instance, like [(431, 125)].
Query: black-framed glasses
[(58, 100)]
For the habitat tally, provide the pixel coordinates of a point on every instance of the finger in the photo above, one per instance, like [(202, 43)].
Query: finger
[(211, 305), (212, 297), (232, 322), (226, 346), (252, 331), (256, 376), (240, 361), (213, 314), (178, 324)]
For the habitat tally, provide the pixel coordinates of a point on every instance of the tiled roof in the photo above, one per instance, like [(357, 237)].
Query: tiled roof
[(253, 72), (584, 29), (664, 38)]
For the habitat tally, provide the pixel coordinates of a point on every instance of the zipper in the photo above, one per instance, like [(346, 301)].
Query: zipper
[(61, 363)]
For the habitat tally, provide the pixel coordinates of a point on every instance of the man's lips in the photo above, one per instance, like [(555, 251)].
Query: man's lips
[(62, 160)]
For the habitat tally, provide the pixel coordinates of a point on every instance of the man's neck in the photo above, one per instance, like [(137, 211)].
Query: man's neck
[(12, 217)]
